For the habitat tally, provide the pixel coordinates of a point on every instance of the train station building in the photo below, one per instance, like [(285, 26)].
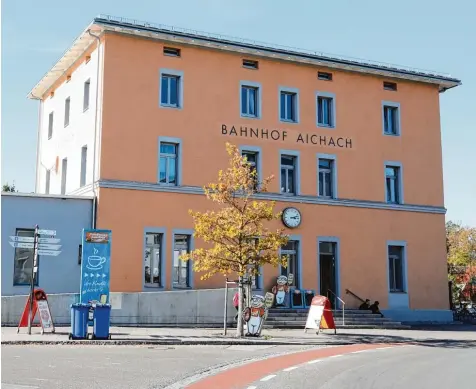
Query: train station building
[(137, 115)]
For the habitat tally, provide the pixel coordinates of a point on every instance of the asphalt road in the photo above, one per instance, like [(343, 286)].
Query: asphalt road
[(408, 367), (118, 367)]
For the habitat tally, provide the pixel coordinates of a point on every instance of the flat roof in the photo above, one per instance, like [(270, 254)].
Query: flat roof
[(46, 196), (112, 24)]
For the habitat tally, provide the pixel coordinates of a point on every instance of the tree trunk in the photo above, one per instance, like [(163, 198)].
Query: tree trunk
[(239, 322)]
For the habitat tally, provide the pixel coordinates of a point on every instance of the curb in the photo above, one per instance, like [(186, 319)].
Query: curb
[(170, 343)]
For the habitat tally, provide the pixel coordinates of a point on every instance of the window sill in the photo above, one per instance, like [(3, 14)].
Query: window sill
[(181, 287), (170, 106), (395, 292), (394, 203), (325, 126), (391, 134), (245, 116), (166, 184), (152, 287), (288, 121), (289, 194)]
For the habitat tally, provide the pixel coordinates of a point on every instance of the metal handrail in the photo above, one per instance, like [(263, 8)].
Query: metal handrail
[(347, 291), (343, 305)]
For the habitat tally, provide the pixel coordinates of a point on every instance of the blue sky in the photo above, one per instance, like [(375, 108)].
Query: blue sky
[(428, 34)]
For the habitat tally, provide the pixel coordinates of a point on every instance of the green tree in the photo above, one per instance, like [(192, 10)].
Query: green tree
[(239, 242), (9, 188)]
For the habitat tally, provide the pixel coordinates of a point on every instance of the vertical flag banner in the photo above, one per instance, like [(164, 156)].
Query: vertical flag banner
[(95, 266)]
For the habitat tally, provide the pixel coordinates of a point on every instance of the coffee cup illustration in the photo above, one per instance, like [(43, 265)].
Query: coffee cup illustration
[(95, 262)]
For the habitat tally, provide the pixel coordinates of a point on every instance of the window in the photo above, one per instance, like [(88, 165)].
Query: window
[(84, 155), (288, 174), (325, 110), (396, 269), (181, 271), (23, 260), (288, 106), (47, 182), (153, 259), (391, 119), (170, 90), (326, 178), (252, 160), (392, 86), (87, 87), (67, 106), (168, 163), (171, 52), (64, 172), (249, 101), (290, 250), (50, 125), (324, 76), (250, 64), (393, 184)]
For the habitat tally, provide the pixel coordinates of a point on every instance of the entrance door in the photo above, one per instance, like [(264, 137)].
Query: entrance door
[(327, 271)]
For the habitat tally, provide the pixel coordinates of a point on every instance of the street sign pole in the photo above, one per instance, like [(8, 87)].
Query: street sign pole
[(33, 277)]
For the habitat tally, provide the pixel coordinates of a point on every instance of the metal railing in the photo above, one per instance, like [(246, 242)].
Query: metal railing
[(342, 302), (263, 45), (347, 291)]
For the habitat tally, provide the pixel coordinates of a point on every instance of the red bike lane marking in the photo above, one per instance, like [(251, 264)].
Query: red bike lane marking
[(241, 376)]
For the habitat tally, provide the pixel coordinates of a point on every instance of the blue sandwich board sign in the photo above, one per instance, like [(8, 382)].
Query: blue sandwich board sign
[(95, 266)]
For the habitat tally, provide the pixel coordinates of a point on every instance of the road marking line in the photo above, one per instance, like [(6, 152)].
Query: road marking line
[(314, 361), (251, 387), (335, 356), (290, 368), (360, 351), (268, 377), (383, 348)]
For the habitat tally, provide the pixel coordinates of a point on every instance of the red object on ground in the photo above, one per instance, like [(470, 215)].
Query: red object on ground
[(243, 375), (39, 294)]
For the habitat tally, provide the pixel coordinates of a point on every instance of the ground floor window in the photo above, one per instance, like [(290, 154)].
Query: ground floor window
[(181, 270), (396, 269), (153, 259), (290, 250), (23, 260)]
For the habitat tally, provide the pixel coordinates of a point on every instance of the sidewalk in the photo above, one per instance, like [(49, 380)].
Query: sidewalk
[(461, 336)]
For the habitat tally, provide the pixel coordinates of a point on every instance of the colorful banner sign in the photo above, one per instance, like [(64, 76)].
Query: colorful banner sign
[(95, 266), (320, 315)]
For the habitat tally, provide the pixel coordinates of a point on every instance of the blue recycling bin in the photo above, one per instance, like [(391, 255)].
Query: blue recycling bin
[(101, 319), (79, 321)]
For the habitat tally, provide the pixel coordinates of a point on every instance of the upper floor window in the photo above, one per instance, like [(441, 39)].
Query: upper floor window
[(325, 109), (249, 101), (181, 272), (393, 184), (288, 102), (288, 174), (84, 156), (168, 163), (252, 160), (50, 125), (47, 182), (171, 88), (23, 260), (326, 178), (67, 108), (153, 259), (324, 76), (396, 268), (391, 118), (87, 86), (64, 175), (250, 64), (392, 86), (171, 52)]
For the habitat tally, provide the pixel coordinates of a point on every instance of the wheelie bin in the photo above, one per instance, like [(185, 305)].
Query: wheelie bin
[(101, 321), (79, 321)]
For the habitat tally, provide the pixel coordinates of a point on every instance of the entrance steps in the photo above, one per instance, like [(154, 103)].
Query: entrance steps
[(283, 318)]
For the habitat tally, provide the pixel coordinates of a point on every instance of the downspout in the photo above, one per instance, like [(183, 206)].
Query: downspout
[(95, 129), (38, 140)]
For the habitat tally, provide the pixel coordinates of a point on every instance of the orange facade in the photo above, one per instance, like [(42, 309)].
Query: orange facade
[(357, 216)]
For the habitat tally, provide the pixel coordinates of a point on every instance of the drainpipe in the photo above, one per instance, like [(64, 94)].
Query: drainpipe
[(38, 140), (95, 129)]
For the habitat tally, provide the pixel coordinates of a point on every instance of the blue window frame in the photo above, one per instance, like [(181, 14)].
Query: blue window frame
[(249, 101), (169, 95), (288, 106), (168, 163)]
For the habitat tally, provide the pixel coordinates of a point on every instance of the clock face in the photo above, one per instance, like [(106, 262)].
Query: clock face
[(291, 217)]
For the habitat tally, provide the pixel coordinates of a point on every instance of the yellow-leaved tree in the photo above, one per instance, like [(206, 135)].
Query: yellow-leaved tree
[(239, 241)]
